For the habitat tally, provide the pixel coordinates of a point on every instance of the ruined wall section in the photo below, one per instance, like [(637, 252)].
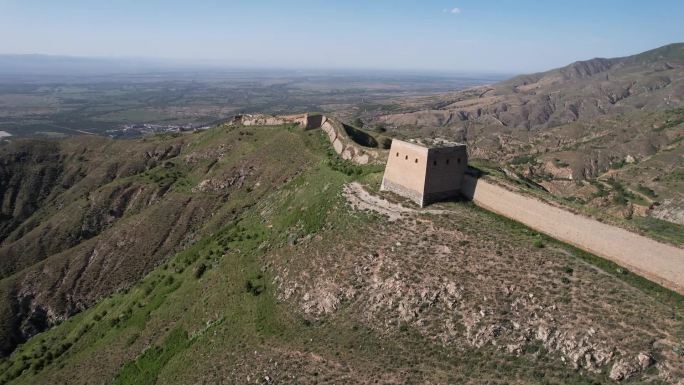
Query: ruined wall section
[(656, 261), (343, 145), (302, 120), (347, 148)]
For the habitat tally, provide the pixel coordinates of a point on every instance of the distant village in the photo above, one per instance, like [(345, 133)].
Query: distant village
[(142, 129)]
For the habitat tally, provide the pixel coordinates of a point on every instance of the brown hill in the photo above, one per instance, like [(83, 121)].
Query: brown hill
[(86, 216), (619, 118)]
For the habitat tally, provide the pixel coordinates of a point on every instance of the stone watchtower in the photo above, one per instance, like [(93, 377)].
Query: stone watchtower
[(425, 171)]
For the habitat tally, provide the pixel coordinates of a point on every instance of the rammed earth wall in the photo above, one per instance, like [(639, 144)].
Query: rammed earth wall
[(424, 174), (656, 261), (341, 142)]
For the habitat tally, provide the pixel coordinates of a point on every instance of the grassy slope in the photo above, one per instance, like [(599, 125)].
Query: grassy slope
[(182, 325)]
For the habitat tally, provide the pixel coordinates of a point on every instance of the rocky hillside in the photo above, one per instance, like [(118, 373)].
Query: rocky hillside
[(580, 92), (85, 217), (256, 255), (613, 122)]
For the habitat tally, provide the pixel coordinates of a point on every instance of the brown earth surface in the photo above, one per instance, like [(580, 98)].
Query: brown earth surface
[(657, 261)]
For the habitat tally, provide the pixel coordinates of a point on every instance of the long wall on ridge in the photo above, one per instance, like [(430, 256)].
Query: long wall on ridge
[(343, 144), (656, 261), (659, 262)]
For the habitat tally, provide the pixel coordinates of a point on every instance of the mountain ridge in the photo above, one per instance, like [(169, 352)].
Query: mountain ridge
[(235, 253), (585, 122)]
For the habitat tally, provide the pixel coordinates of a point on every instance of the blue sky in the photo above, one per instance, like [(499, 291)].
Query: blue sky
[(505, 36)]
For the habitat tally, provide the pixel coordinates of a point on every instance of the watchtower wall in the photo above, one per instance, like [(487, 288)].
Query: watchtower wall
[(405, 170), (425, 174), (444, 174)]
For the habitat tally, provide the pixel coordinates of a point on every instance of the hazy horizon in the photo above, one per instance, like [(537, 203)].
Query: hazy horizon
[(208, 65), (433, 36)]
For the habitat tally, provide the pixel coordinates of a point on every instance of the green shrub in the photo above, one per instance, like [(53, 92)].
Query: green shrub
[(647, 191), (357, 123), (146, 369), (199, 270), (253, 287), (379, 127), (617, 164), (523, 159)]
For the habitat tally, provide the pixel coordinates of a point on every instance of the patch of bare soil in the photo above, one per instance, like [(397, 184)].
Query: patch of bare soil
[(361, 199), (465, 280)]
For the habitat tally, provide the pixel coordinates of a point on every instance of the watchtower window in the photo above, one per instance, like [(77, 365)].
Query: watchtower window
[(397, 154), (416, 160), (406, 157), (447, 161), (434, 162), (458, 160)]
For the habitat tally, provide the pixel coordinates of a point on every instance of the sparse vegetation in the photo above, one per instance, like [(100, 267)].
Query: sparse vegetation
[(523, 159), (267, 263), (622, 194), (647, 191), (357, 122)]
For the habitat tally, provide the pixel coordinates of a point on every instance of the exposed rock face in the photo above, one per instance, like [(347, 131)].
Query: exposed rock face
[(645, 360), (28, 175), (221, 183), (623, 370)]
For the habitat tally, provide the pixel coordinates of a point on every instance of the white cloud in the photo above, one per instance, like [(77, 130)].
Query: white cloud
[(455, 11)]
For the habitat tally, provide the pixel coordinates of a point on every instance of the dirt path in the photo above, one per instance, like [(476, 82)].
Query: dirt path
[(361, 199), (656, 261)]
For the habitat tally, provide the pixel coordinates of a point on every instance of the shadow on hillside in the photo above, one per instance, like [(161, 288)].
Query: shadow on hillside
[(360, 137), (469, 184), (468, 187)]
